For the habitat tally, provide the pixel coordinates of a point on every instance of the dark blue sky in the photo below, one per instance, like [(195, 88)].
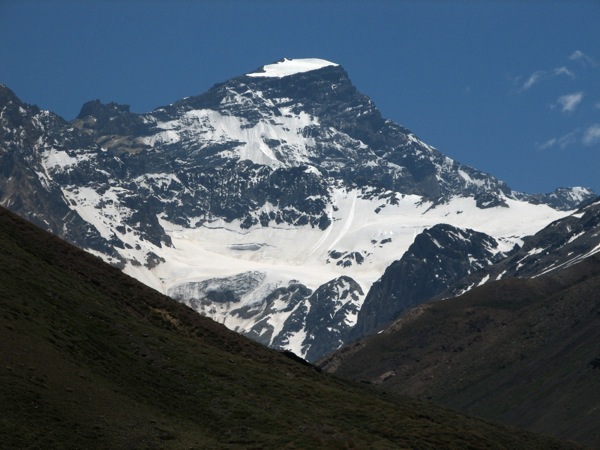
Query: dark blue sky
[(509, 87)]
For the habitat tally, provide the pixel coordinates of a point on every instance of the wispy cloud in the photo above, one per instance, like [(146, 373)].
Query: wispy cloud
[(591, 135), (540, 75), (586, 137), (584, 60), (568, 103), (578, 55), (564, 71), (561, 142), (534, 78), (581, 69)]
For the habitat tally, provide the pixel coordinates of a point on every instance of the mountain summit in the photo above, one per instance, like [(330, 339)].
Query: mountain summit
[(271, 203), (287, 67)]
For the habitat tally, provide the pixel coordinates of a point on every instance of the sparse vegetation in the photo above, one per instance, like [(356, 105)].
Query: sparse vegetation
[(520, 351), (93, 359)]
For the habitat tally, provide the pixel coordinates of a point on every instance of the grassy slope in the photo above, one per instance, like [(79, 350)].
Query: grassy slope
[(90, 358), (518, 351)]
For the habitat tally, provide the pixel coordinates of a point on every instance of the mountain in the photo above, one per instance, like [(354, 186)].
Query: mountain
[(271, 197), (436, 260), (445, 261), (91, 358), (521, 349), (561, 244)]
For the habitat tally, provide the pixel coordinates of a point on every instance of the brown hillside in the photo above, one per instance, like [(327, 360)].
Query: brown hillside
[(90, 358), (522, 351)]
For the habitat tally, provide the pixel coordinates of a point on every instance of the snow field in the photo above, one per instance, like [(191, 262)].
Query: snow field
[(210, 127), (220, 249), (291, 66)]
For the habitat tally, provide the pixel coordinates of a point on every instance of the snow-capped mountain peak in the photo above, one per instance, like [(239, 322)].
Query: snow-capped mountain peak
[(286, 67), (271, 203)]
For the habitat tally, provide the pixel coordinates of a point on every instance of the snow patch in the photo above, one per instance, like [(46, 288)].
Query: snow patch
[(206, 128), (288, 67), (61, 159)]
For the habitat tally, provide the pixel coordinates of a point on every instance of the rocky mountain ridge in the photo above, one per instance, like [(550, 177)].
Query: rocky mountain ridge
[(521, 349), (468, 260), (271, 196)]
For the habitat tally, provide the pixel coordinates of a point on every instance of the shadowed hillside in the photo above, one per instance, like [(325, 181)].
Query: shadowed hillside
[(93, 359), (522, 351)]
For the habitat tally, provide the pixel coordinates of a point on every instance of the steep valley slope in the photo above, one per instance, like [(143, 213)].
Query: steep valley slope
[(524, 351), (91, 358)]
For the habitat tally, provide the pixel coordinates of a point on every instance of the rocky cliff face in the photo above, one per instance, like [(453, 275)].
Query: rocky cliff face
[(438, 258), (560, 245)]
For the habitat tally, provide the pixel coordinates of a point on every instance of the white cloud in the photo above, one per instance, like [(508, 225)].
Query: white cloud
[(568, 103), (564, 71), (578, 55), (591, 135), (546, 145), (586, 137), (540, 75), (533, 79), (561, 142)]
